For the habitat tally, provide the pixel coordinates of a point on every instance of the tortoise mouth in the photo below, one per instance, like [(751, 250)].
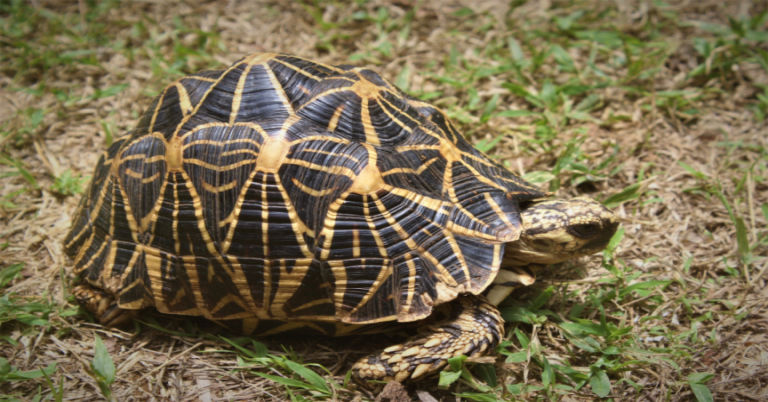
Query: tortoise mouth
[(602, 238)]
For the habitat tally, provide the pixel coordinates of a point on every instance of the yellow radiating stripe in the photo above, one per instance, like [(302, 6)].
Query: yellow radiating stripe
[(129, 267), (133, 174), (267, 282), (199, 78), (79, 262), (231, 298), (417, 147), (298, 226), (184, 103), (132, 224), (496, 263), (296, 69), (418, 171), (497, 209), (326, 93), (245, 152), (136, 304), (189, 265), (92, 213), (218, 168), (355, 243), (288, 283), (338, 170), (448, 278), (198, 207), (381, 99), (279, 89), (153, 213), (434, 204), (323, 137), (328, 224), (237, 97), (154, 263), (411, 292), (448, 237), (339, 272), (264, 216), (329, 153), (335, 117), (447, 179), (156, 111), (203, 98), (175, 220), (232, 218), (314, 303), (149, 179), (311, 191), (426, 130), (141, 156), (217, 189), (221, 143), (201, 127), (461, 230), (255, 58), (370, 133), (480, 177), (372, 227), (384, 272)]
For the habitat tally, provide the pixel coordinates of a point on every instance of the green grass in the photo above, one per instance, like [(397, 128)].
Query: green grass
[(550, 80)]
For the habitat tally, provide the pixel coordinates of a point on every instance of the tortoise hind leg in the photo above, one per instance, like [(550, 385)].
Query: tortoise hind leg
[(102, 305), (473, 330)]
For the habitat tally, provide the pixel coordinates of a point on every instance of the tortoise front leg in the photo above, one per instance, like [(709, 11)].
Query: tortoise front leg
[(102, 305), (474, 328)]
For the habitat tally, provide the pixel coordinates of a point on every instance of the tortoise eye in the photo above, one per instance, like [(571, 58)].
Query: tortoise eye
[(585, 230), (542, 244)]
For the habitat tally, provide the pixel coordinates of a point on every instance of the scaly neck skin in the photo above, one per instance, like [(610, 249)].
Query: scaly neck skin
[(554, 231)]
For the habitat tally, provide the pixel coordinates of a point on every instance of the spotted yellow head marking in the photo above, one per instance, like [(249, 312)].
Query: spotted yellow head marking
[(558, 230)]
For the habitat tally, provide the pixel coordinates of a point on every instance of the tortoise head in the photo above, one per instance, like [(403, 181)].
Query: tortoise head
[(554, 231)]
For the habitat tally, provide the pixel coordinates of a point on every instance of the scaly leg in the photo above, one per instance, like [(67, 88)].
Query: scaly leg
[(102, 305), (474, 328)]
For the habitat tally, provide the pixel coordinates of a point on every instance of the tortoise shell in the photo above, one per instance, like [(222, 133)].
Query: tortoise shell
[(286, 189)]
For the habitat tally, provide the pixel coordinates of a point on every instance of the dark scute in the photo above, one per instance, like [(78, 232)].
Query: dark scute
[(321, 111), (478, 214), (391, 131), (326, 153), (217, 105), (142, 194), (214, 278), (429, 182), (253, 269), (260, 100), (296, 84), (249, 239), (374, 78), (176, 287), (222, 150), (479, 257), (318, 284)]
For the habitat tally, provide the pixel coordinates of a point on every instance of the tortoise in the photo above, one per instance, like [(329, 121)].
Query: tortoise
[(284, 193)]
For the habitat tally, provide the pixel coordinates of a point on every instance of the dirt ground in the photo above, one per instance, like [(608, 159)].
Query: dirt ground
[(689, 154)]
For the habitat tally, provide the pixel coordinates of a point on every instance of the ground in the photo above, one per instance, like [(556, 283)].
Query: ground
[(656, 109)]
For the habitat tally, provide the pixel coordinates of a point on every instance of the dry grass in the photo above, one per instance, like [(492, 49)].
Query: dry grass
[(693, 146)]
